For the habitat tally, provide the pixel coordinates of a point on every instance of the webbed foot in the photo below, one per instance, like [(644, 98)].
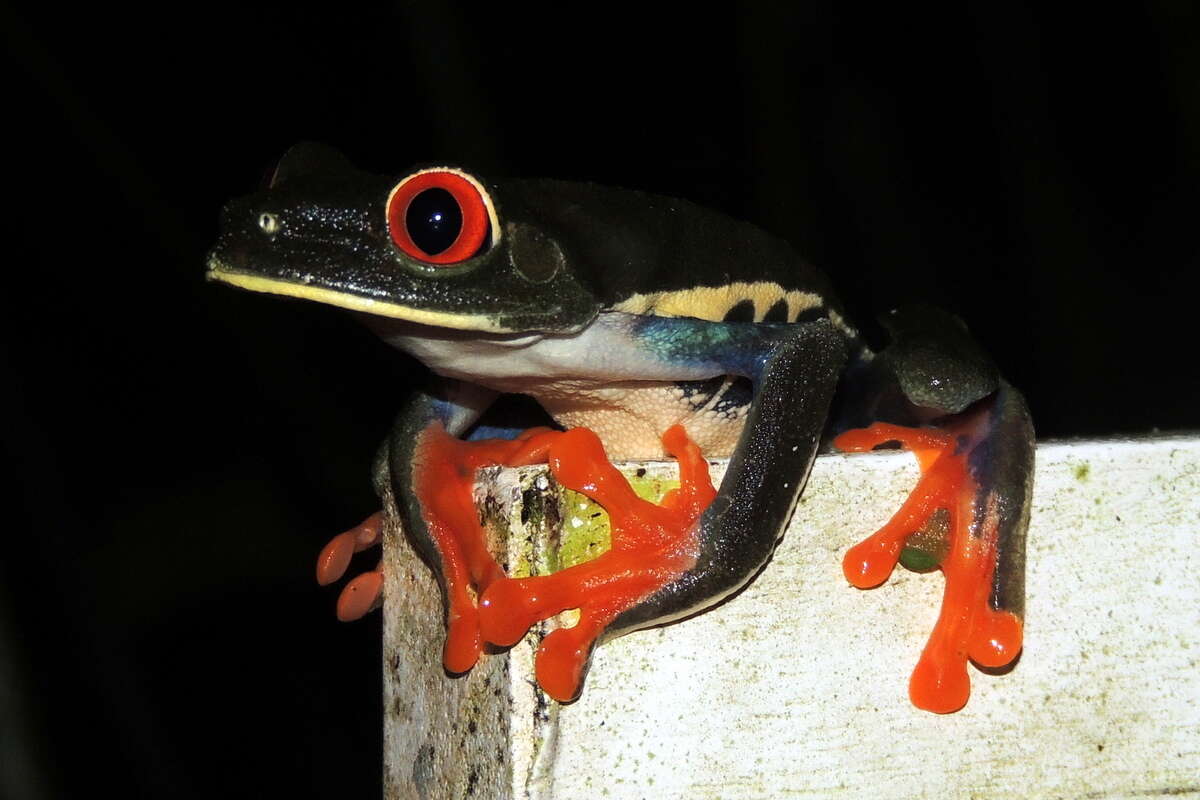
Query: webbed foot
[(973, 496), (364, 593), (651, 546)]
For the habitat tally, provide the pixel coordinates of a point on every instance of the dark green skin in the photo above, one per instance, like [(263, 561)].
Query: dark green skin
[(572, 251), (613, 243)]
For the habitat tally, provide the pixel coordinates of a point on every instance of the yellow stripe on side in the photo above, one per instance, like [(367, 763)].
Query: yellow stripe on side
[(380, 308), (713, 302)]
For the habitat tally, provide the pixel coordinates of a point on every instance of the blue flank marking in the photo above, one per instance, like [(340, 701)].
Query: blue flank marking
[(443, 410), (493, 432), (454, 417), (738, 348)]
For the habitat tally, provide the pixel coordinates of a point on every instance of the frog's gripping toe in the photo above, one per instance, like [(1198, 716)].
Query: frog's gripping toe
[(651, 546), (968, 516), (364, 593)]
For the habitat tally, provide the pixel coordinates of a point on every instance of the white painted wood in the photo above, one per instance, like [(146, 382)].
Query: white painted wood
[(443, 737), (798, 686)]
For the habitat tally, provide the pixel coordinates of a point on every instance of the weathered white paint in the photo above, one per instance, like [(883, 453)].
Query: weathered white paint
[(798, 686)]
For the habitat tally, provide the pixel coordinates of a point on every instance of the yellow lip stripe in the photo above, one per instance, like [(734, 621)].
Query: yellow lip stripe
[(367, 305)]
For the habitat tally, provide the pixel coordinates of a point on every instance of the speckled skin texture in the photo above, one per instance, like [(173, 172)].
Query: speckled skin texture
[(630, 418), (765, 477)]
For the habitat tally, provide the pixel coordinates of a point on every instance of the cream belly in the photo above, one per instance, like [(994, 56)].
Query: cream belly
[(600, 378), (630, 418)]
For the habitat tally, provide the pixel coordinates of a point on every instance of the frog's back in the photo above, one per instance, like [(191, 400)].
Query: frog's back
[(654, 255)]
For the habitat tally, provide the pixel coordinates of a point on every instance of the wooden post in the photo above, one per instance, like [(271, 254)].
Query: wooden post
[(799, 684)]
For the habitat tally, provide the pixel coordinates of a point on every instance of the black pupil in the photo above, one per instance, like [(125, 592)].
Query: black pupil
[(434, 220)]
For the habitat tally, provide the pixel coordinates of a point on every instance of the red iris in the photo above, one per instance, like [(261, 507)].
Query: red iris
[(438, 217)]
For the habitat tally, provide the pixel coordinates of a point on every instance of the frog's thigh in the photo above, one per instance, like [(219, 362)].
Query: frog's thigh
[(795, 370)]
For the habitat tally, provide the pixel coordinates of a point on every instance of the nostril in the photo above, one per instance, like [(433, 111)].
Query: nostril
[(268, 223)]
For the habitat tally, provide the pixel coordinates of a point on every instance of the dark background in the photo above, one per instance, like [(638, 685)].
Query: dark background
[(182, 450)]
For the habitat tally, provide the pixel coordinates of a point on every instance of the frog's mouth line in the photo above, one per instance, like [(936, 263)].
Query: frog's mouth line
[(219, 271)]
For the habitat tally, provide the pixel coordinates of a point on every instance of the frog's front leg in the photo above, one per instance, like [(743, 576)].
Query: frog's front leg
[(934, 392), (660, 570), (444, 405)]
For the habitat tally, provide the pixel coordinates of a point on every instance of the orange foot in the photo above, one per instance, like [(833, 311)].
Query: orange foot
[(365, 593), (651, 546), (967, 626)]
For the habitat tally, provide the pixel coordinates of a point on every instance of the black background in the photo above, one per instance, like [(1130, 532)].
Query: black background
[(182, 450)]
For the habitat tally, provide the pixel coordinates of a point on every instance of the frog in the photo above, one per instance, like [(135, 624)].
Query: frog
[(646, 327)]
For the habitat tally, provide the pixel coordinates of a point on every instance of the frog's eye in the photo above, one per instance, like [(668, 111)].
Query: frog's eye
[(438, 216)]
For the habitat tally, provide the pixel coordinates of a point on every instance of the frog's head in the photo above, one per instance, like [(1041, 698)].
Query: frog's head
[(438, 246)]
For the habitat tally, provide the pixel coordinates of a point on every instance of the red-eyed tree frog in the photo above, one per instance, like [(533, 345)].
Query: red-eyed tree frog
[(645, 326)]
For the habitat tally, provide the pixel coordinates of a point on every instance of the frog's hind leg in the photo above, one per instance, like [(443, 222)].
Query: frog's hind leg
[(972, 435), (794, 370)]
